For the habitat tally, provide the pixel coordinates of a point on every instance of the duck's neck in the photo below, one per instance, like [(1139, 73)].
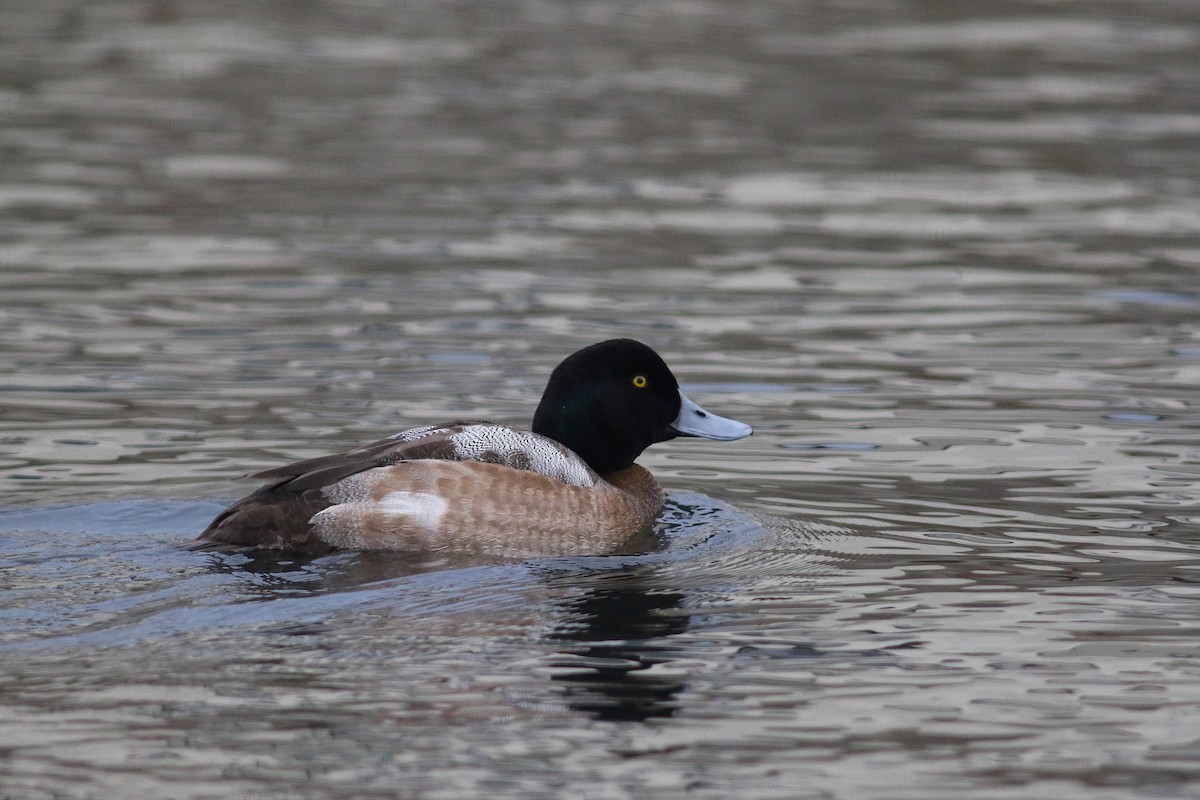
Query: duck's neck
[(604, 454), (637, 482)]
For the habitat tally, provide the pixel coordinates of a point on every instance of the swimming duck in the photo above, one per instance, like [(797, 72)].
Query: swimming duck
[(567, 487)]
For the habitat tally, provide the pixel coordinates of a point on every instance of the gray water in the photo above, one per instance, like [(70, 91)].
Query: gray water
[(941, 255)]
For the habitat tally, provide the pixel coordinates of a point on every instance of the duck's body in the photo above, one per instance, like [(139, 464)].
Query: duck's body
[(460, 486), (568, 487)]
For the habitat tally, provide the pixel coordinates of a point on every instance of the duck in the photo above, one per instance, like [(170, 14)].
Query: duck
[(566, 486)]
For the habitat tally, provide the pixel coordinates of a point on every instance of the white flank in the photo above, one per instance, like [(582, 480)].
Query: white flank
[(423, 509)]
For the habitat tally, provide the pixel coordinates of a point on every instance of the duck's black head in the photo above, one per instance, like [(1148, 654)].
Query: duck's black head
[(610, 401)]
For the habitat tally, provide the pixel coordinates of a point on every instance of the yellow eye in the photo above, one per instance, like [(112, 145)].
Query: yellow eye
[(639, 381)]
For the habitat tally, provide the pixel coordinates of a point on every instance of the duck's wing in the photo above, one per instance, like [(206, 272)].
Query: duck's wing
[(451, 441), (428, 441)]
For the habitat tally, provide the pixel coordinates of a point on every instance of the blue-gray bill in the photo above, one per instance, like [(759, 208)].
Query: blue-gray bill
[(695, 421)]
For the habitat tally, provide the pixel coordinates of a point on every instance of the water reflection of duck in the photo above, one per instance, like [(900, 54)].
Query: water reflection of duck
[(569, 486), (614, 634)]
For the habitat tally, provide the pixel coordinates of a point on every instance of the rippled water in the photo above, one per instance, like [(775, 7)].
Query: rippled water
[(942, 256)]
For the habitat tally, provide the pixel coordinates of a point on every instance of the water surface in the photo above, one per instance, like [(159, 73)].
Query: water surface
[(942, 257)]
